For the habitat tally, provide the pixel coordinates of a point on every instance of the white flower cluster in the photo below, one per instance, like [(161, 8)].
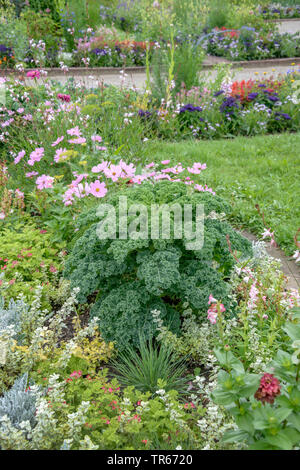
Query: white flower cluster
[(175, 415), (215, 421)]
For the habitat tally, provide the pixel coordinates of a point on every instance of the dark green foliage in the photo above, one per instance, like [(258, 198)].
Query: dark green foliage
[(18, 4), (142, 369), (218, 15), (126, 310), (134, 277)]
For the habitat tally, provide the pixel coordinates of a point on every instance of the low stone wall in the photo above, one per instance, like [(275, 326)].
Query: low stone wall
[(289, 25)]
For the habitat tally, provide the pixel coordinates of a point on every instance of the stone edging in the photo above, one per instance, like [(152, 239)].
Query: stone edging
[(55, 71), (290, 269), (282, 20), (265, 63)]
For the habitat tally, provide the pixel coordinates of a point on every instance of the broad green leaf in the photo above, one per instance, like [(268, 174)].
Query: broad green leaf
[(293, 435), (282, 413), (235, 436), (251, 385), (281, 440), (261, 445), (294, 419), (223, 397), (292, 330), (245, 423), (228, 360)]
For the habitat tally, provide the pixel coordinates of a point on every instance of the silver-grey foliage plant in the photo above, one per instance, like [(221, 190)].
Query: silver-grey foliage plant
[(19, 403)]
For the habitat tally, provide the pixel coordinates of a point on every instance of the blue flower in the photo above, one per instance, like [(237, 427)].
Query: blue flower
[(273, 98), (228, 105), (248, 28), (189, 108), (144, 114), (218, 93), (252, 96), (5, 50), (283, 115), (98, 51)]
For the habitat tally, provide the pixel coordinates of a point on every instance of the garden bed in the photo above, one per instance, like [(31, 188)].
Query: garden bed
[(277, 12)]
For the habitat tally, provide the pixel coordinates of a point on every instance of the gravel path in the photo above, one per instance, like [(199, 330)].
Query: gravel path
[(138, 79), (288, 266), (289, 26)]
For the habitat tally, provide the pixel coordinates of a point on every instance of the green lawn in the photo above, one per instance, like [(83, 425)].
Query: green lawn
[(248, 171)]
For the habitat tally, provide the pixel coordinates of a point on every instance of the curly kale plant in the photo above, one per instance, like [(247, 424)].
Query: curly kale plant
[(133, 277)]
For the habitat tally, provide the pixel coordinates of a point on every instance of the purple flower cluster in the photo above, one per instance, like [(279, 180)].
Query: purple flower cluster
[(271, 96), (144, 114), (190, 108), (99, 52), (248, 44), (229, 105), (5, 51), (218, 93), (252, 96), (279, 116)]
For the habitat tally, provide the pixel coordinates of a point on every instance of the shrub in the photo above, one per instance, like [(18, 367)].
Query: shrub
[(50, 425), (46, 6), (27, 259), (18, 5), (218, 15), (11, 316), (41, 25), (134, 277), (13, 35)]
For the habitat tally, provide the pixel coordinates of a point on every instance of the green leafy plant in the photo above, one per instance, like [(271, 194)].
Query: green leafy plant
[(27, 259), (143, 368), (179, 66), (41, 25), (48, 6), (114, 418), (218, 15), (13, 33), (133, 277), (266, 409)]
